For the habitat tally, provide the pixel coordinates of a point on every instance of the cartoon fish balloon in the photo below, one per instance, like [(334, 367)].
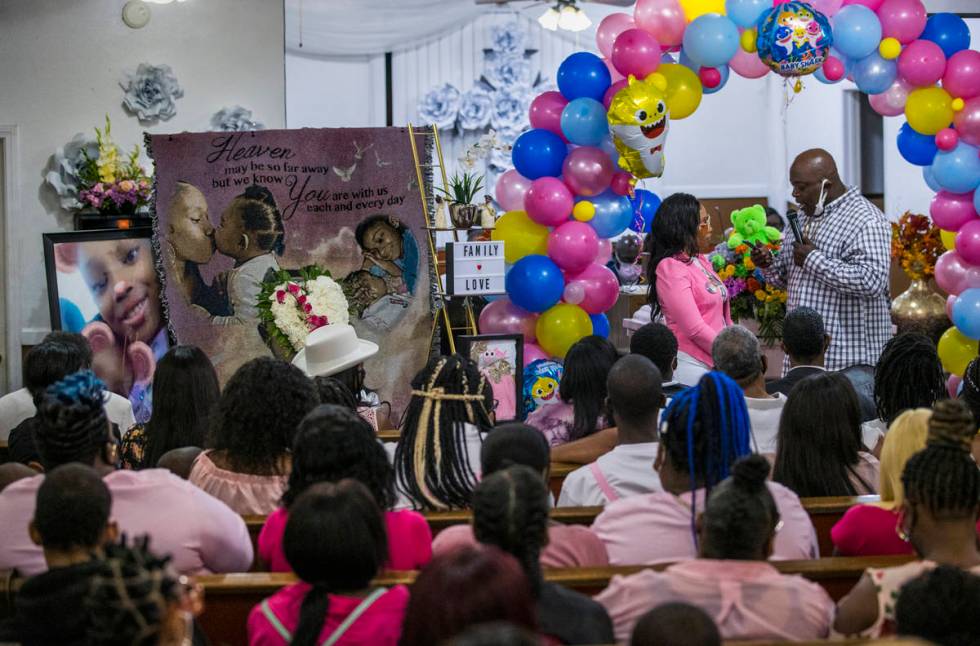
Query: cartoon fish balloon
[(639, 121), (794, 39)]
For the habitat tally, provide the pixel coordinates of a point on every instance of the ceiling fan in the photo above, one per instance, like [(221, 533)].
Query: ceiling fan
[(564, 14)]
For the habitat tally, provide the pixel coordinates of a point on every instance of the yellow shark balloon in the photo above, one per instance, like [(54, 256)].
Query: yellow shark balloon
[(639, 120)]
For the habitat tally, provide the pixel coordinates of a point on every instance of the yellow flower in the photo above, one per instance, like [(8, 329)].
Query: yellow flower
[(749, 264), (782, 297), (760, 295)]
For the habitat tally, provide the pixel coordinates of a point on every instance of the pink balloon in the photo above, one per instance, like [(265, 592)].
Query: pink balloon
[(533, 352), (611, 92), (946, 139), (601, 288), (609, 29), (967, 122), (545, 112), (614, 74), (510, 190), (921, 63), (833, 68), (870, 4), (962, 77), (902, 19), (968, 242), (710, 77), (636, 52), (951, 272), (548, 201), (503, 317), (664, 19), (949, 306), (573, 246), (574, 293), (604, 255), (954, 381), (748, 64), (587, 171), (950, 211), (891, 102), (621, 183), (827, 7)]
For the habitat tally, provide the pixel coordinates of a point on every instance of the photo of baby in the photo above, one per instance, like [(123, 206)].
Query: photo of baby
[(498, 356)]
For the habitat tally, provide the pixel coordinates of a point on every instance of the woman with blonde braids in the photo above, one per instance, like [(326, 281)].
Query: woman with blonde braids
[(437, 460)]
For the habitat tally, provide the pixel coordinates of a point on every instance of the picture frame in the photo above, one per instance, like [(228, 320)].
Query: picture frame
[(488, 351)]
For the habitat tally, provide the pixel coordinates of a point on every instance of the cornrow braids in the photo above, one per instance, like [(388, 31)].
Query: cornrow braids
[(432, 464), (510, 510), (704, 430), (908, 375), (943, 476), (74, 426), (970, 394), (261, 217)]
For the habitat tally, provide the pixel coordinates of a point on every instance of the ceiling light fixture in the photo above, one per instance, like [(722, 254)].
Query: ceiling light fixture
[(564, 15)]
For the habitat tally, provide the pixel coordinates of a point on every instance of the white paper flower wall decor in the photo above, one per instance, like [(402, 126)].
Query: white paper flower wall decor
[(234, 118), (151, 92)]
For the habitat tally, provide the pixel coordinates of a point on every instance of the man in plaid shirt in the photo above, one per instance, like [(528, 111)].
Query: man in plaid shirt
[(842, 268)]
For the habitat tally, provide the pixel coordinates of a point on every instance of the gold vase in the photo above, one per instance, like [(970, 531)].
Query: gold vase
[(920, 309)]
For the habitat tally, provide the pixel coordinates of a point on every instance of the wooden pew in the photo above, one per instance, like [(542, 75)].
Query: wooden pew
[(825, 512), (230, 597)]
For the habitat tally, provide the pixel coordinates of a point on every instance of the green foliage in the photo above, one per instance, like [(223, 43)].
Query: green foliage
[(463, 188)]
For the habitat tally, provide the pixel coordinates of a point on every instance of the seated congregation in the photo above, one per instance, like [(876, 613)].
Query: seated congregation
[(701, 495)]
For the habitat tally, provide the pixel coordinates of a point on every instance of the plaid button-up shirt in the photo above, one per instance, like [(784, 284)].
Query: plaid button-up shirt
[(845, 278)]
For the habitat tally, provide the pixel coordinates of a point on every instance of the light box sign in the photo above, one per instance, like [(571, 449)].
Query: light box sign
[(474, 268)]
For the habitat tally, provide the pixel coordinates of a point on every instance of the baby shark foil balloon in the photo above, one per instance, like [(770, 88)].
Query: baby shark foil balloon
[(639, 120), (794, 39)]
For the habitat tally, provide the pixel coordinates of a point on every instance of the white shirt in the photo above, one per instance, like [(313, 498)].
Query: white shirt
[(17, 406), (873, 431), (628, 469), (764, 416)]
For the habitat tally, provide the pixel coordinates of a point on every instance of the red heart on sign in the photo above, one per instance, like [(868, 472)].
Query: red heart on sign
[(479, 267)]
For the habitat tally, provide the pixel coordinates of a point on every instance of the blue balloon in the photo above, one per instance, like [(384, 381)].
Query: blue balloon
[(535, 283), (930, 180), (966, 313), (746, 13), (613, 213), (874, 74), (583, 74), (539, 153), (645, 205), (976, 200), (583, 122), (857, 31), (916, 148), (958, 170), (947, 30), (725, 72), (711, 40), (600, 324)]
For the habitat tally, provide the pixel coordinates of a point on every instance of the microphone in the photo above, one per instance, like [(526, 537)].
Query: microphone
[(794, 223)]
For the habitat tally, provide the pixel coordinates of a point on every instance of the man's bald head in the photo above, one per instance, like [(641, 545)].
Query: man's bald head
[(814, 171), (635, 396), (816, 163)]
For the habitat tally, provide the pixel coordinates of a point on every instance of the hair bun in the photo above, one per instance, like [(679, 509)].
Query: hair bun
[(750, 473), (951, 425)]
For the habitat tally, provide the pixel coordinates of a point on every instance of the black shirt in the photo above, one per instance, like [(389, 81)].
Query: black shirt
[(572, 617)]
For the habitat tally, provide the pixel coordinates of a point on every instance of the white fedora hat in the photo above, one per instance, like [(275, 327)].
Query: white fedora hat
[(331, 349)]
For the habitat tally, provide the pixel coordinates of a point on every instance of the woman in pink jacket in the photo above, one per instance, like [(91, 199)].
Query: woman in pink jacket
[(684, 288)]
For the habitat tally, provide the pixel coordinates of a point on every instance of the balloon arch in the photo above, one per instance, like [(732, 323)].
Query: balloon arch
[(572, 186)]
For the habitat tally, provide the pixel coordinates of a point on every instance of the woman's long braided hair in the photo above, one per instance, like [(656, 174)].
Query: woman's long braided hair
[(510, 510), (431, 462), (74, 426), (908, 375)]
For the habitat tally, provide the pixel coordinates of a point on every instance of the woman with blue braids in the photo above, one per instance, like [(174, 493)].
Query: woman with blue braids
[(703, 431)]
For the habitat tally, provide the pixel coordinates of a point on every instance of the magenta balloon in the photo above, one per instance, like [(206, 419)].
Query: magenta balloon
[(604, 254), (950, 272), (548, 201), (510, 190), (962, 77), (833, 68), (663, 19), (946, 139), (870, 4), (636, 52), (609, 29), (967, 122), (954, 381), (621, 183), (611, 92), (533, 352), (601, 288), (902, 19), (574, 293), (587, 171), (748, 64), (573, 246), (503, 317), (950, 211), (891, 102), (968, 242), (921, 63), (827, 7), (545, 112)]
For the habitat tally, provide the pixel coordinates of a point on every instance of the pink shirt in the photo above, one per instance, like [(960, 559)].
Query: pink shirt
[(869, 530), (381, 623), (748, 600), (568, 545), (245, 493), (198, 531), (409, 540), (656, 528), (692, 311)]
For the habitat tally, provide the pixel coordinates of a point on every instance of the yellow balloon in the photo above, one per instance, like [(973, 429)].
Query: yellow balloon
[(890, 48), (956, 351), (560, 327), (958, 104), (694, 8), (584, 211), (928, 110), (749, 37), (948, 238), (683, 90), (521, 236)]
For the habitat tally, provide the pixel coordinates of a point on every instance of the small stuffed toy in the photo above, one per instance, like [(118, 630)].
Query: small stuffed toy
[(750, 228), (125, 368)]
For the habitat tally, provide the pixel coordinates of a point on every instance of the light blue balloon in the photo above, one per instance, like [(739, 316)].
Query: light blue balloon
[(957, 170), (966, 313), (930, 180), (976, 200), (857, 31), (686, 61), (613, 213), (711, 40), (746, 13), (583, 122), (725, 72), (873, 74)]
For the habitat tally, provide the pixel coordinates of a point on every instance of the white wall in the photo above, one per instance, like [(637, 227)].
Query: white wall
[(340, 92), (60, 64)]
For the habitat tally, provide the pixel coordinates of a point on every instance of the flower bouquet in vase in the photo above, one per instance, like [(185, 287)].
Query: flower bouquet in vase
[(916, 246), (463, 212), (749, 295), (112, 183)]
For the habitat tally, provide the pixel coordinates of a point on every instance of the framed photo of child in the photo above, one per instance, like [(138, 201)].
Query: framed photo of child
[(500, 358), (104, 285)]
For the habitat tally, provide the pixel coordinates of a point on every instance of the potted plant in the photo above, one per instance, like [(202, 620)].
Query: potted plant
[(112, 183), (462, 191)]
